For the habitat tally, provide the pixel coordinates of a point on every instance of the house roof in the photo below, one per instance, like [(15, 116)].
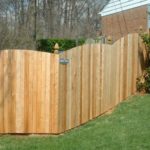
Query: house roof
[(115, 6)]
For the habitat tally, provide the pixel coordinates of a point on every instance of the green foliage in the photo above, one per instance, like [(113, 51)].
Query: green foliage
[(146, 40), (143, 82), (64, 44), (140, 85)]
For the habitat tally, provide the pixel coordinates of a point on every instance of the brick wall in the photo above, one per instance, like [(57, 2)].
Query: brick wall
[(122, 23)]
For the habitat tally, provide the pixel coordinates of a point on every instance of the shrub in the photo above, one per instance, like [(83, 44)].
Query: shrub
[(146, 41), (143, 82), (65, 44)]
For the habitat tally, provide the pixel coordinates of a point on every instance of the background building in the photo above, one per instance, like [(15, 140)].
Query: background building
[(120, 17)]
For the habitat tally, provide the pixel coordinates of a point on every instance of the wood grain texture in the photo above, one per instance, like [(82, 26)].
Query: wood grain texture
[(7, 99), (28, 82), (1, 92), (105, 75), (19, 92), (39, 95)]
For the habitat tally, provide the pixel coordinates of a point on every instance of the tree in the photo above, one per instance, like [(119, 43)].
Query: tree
[(24, 21)]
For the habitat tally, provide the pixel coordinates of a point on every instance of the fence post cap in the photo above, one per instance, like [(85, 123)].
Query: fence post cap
[(56, 48), (109, 40)]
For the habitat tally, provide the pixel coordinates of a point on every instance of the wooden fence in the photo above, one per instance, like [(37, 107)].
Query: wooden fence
[(38, 94), (28, 92)]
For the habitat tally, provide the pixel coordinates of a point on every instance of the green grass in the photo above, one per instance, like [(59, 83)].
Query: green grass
[(127, 128)]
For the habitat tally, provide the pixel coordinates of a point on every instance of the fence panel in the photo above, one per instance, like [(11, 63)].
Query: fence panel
[(28, 92), (97, 78), (38, 94)]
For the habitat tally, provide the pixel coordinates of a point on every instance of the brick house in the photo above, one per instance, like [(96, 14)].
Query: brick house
[(120, 17)]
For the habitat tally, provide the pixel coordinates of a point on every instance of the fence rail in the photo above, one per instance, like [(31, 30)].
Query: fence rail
[(38, 94)]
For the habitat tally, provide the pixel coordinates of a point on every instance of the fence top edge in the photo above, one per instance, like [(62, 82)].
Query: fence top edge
[(27, 51)]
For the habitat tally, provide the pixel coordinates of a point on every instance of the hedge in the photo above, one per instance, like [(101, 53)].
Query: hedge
[(64, 44)]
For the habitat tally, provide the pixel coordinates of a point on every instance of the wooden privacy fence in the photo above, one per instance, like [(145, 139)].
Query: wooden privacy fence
[(38, 94)]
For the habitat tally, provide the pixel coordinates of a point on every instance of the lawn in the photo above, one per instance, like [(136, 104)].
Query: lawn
[(127, 128)]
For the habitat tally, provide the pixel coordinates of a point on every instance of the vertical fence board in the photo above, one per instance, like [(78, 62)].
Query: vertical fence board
[(111, 76), (129, 69), (125, 70), (1, 92), (34, 91), (85, 83), (54, 92), (19, 93), (69, 91), (75, 111), (13, 91), (43, 101), (78, 74), (47, 93), (101, 78), (26, 91), (118, 71), (30, 102), (62, 94), (39, 96), (121, 69), (7, 92), (49, 90), (97, 84), (107, 82), (104, 79), (92, 99), (114, 77), (73, 87)]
